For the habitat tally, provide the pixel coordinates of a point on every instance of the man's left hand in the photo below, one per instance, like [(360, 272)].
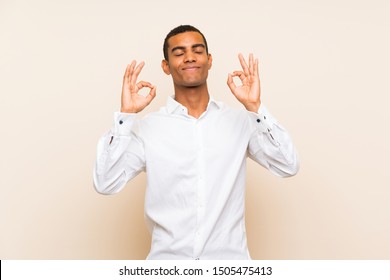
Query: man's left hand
[(249, 92)]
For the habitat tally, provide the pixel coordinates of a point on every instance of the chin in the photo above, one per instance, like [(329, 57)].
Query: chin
[(194, 83), (190, 84)]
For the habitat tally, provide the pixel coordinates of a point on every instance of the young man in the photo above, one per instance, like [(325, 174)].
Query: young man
[(194, 152)]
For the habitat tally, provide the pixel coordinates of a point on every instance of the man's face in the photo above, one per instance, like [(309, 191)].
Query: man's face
[(188, 61)]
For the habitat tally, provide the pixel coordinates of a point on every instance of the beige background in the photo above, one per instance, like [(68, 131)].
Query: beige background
[(325, 76)]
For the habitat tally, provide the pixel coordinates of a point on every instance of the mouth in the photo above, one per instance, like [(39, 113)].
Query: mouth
[(190, 68)]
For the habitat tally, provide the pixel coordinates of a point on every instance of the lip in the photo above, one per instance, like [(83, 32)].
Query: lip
[(191, 68)]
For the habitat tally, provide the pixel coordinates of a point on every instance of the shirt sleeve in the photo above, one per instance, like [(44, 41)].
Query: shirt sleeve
[(270, 144), (120, 155)]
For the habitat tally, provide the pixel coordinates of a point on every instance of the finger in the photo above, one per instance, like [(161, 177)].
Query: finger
[(131, 70), (251, 63), (126, 76), (127, 72), (256, 68), (151, 95), (231, 83), (243, 64), (137, 70), (143, 84), (239, 74)]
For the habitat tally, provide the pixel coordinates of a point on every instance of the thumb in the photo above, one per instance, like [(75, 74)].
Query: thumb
[(231, 83)]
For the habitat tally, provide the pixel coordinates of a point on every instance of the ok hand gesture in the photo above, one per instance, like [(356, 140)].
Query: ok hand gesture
[(132, 102), (249, 92)]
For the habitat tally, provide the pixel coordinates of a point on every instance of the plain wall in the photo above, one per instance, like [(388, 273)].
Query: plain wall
[(324, 69)]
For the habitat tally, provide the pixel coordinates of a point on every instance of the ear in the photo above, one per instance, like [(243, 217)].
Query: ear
[(165, 67), (210, 59)]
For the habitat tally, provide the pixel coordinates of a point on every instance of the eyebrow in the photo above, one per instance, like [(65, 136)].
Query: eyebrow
[(193, 47)]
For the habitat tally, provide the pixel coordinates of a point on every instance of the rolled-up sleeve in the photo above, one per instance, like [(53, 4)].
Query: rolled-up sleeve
[(120, 155), (271, 145)]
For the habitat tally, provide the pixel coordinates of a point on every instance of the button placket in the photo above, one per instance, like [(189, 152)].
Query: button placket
[(199, 189)]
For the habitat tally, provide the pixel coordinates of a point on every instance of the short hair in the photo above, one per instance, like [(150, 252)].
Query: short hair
[(178, 30)]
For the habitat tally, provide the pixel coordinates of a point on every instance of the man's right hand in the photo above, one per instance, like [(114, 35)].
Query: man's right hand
[(132, 102)]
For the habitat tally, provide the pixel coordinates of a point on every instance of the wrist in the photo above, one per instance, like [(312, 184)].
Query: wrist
[(253, 107), (129, 110)]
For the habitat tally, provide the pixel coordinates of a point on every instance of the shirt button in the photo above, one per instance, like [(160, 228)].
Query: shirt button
[(120, 122), (258, 120)]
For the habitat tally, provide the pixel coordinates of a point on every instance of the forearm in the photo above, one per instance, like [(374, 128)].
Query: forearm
[(272, 146), (119, 156)]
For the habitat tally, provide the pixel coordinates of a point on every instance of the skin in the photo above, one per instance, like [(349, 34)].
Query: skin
[(189, 64)]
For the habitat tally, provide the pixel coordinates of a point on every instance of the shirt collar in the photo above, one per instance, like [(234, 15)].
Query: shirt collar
[(174, 107)]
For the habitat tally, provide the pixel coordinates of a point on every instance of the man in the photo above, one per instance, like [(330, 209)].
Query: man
[(193, 151)]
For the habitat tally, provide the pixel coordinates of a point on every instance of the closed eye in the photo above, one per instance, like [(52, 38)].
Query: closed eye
[(178, 52), (198, 49)]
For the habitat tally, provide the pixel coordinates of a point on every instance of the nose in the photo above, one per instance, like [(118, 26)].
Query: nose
[(190, 57)]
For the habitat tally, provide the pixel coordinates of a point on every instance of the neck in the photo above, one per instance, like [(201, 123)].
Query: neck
[(194, 99)]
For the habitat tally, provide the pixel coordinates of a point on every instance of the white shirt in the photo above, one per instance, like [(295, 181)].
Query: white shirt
[(194, 202)]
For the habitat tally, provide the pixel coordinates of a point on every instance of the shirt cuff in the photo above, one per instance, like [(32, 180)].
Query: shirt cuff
[(262, 118), (123, 122)]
